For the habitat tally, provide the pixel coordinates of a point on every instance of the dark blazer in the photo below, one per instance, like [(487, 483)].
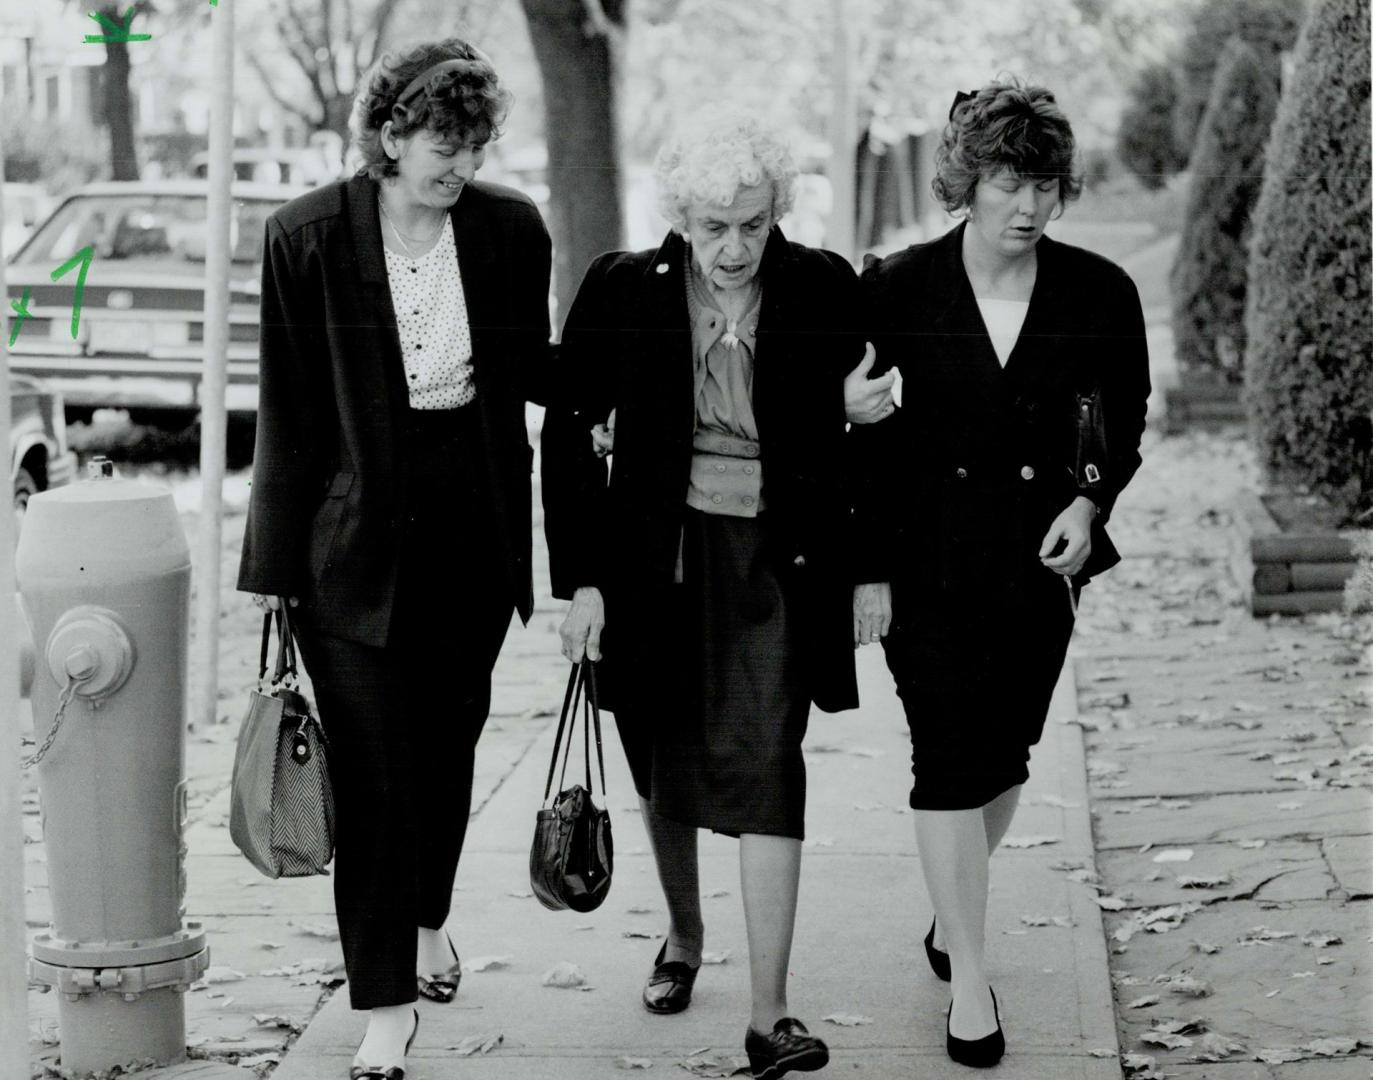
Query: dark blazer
[(627, 345), (330, 469), (964, 480)]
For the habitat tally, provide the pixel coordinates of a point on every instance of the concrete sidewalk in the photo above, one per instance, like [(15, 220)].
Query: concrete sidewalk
[(857, 953)]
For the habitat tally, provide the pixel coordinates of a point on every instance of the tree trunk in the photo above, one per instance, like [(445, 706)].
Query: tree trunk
[(580, 94), (118, 103)]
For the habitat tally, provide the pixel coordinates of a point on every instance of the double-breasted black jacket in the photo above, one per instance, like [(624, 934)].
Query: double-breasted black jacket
[(627, 345), (330, 469), (962, 482)]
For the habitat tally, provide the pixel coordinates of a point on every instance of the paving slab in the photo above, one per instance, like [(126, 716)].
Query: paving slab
[(1333, 813), (1277, 871), (1351, 861)]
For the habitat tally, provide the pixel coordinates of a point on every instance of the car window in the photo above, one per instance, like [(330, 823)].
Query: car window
[(150, 231)]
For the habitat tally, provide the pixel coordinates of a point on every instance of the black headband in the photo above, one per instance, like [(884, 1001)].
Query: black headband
[(958, 98), (422, 82)]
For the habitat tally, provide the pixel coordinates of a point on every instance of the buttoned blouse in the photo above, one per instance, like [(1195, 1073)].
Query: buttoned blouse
[(726, 473), (431, 315)]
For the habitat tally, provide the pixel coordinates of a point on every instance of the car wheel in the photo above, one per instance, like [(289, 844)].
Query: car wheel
[(24, 488)]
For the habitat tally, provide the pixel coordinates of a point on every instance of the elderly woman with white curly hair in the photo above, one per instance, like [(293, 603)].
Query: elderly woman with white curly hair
[(712, 549)]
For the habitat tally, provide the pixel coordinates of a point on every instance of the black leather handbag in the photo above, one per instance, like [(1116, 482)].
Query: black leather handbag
[(1089, 463), (572, 857)]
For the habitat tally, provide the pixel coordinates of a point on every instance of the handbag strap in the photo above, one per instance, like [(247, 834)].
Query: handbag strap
[(594, 708), (266, 645), (572, 680)]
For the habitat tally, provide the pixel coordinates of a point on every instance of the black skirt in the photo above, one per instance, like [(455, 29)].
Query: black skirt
[(714, 702)]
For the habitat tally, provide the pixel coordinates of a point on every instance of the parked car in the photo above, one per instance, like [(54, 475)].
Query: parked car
[(39, 458), (140, 337), (292, 166)]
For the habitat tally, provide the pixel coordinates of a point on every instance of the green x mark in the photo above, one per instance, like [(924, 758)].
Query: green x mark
[(21, 309), (115, 32)]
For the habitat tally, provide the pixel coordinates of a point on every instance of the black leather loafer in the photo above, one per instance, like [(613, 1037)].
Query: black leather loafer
[(980, 1053), (669, 987), (789, 1047), (392, 1072), (939, 960), (441, 986)]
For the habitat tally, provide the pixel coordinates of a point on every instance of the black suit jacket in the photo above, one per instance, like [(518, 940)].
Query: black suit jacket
[(964, 480), (627, 345), (330, 469)]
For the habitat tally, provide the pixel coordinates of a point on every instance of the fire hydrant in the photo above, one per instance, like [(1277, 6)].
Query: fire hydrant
[(104, 581)]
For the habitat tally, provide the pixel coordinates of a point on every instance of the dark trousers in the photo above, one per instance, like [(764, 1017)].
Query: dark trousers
[(403, 723)]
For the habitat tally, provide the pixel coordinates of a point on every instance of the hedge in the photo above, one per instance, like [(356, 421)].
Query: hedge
[(1309, 319), (1227, 171), (1144, 142), (1271, 26)]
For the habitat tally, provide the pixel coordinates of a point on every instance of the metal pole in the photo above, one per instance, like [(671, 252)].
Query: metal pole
[(844, 140), (205, 649), (14, 983)]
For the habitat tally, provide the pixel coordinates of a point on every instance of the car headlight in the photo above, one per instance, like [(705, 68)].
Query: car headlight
[(170, 334)]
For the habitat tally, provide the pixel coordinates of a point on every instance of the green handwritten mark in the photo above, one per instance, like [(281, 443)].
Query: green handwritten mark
[(83, 259), (115, 32), (21, 308)]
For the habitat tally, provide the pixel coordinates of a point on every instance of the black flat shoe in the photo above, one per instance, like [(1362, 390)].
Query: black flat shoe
[(393, 1072), (939, 960), (669, 987), (790, 1046), (980, 1053), (441, 986)]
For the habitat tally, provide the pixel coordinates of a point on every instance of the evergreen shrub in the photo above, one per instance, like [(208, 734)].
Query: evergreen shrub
[(1144, 141), (1227, 172), (1308, 319)]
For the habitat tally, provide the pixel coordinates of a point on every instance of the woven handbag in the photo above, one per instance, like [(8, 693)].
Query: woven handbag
[(281, 808), (572, 857)]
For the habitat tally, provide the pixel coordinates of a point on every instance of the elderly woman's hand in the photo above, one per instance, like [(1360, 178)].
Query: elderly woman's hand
[(603, 437), (582, 626), (1072, 529), (866, 400), (871, 612)]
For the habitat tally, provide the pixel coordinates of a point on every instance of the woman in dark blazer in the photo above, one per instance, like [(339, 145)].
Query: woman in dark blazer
[(404, 321), (979, 515), (716, 557)]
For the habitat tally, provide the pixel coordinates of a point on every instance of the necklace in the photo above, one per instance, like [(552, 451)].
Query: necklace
[(402, 237)]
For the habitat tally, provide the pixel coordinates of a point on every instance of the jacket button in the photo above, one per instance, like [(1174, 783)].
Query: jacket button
[(961, 473), (751, 450), (748, 500), (749, 470), (1027, 472), (719, 468), (799, 562), (717, 498)]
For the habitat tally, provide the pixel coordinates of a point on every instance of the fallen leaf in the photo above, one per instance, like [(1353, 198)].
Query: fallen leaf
[(1174, 855), (1162, 1038), (638, 909), (710, 1065), (1136, 1062), (316, 930), (844, 1020), (564, 975), (275, 1020), (1144, 1002), (1251, 845), (1110, 903), (269, 945), (1319, 939), (644, 934), (520, 894), (1030, 841), (1206, 947), (1035, 920), (216, 974), (1303, 974), (1213, 1046), (1278, 1055), (487, 963), (478, 1044), (1101, 1052), (717, 894), (633, 1063), (1188, 986), (1331, 1047), (712, 958), (1260, 935)]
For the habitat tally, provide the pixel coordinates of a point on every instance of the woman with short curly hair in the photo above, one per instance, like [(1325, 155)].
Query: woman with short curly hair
[(404, 323), (989, 494), (715, 555)]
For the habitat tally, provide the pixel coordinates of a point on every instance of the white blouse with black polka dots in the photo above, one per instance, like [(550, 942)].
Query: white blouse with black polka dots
[(431, 314)]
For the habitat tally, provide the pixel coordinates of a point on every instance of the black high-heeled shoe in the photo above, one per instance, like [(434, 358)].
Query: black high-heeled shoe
[(939, 960), (392, 1072), (442, 986), (789, 1046), (669, 987), (980, 1053)]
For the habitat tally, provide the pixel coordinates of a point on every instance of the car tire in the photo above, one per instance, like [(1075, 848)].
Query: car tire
[(24, 488)]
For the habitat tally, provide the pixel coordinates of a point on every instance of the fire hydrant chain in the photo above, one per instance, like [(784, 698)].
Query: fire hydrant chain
[(64, 699)]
